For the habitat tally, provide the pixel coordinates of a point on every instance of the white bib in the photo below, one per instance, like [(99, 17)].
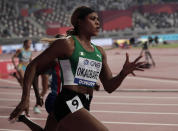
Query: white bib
[(87, 72)]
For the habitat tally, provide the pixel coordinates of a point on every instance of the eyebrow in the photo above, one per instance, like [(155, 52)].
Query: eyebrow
[(94, 16)]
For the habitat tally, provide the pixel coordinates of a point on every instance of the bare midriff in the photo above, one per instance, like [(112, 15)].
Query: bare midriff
[(23, 63), (80, 89)]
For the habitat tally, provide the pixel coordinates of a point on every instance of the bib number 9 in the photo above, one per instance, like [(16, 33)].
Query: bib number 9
[(74, 104)]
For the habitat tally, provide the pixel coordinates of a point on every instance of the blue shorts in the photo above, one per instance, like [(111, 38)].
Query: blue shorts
[(69, 101), (21, 67), (49, 103)]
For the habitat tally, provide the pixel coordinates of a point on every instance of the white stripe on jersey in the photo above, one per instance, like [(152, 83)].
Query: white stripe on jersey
[(68, 76)]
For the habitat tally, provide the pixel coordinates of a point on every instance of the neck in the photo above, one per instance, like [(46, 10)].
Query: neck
[(84, 38), (85, 41), (26, 48)]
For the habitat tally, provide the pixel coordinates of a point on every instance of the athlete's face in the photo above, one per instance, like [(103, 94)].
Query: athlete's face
[(91, 24), (28, 44)]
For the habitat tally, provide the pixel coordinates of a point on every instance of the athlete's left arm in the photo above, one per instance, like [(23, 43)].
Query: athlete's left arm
[(111, 83)]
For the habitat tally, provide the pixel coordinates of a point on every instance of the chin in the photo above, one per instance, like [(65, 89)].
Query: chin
[(95, 34)]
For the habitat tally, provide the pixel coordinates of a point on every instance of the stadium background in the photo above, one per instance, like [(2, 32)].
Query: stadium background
[(119, 18), (146, 102), (123, 22)]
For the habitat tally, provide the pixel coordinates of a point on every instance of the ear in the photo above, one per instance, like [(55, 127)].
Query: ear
[(81, 23)]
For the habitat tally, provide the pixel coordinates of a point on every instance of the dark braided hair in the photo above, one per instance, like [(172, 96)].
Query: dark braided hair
[(79, 14)]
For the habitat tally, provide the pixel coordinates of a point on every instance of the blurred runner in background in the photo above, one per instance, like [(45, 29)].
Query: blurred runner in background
[(24, 56), (148, 56)]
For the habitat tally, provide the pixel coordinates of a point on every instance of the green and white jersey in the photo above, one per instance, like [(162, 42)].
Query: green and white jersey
[(83, 67)]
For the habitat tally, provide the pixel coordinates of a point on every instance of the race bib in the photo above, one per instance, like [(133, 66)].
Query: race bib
[(74, 104), (87, 72)]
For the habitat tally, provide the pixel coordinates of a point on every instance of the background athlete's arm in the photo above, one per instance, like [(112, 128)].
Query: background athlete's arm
[(13, 58), (39, 99)]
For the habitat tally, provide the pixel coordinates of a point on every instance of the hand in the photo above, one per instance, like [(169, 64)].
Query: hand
[(130, 67), (39, 101), (22, 106), (97, 86)]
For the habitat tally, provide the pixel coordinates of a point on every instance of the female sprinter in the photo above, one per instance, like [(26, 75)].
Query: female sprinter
[(55, 86), (82, 63), (25, 56)]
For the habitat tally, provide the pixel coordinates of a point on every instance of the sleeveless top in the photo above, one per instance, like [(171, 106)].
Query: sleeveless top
[(24, 55), (55, 83), (82, 68)]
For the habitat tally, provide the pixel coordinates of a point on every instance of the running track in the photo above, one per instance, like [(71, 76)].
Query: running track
[(147, 102)]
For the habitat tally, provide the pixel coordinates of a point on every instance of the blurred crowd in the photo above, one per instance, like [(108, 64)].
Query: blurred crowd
[(24, 18)]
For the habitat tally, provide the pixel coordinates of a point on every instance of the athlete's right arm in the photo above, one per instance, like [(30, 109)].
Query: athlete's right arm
[(62, 48)]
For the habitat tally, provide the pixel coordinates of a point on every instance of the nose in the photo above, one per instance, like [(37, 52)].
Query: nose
[(97, 22)]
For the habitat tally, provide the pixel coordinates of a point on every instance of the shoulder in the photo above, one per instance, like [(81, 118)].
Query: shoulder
[(18, 51), (66, 41), (102, 51), (64, 45)]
